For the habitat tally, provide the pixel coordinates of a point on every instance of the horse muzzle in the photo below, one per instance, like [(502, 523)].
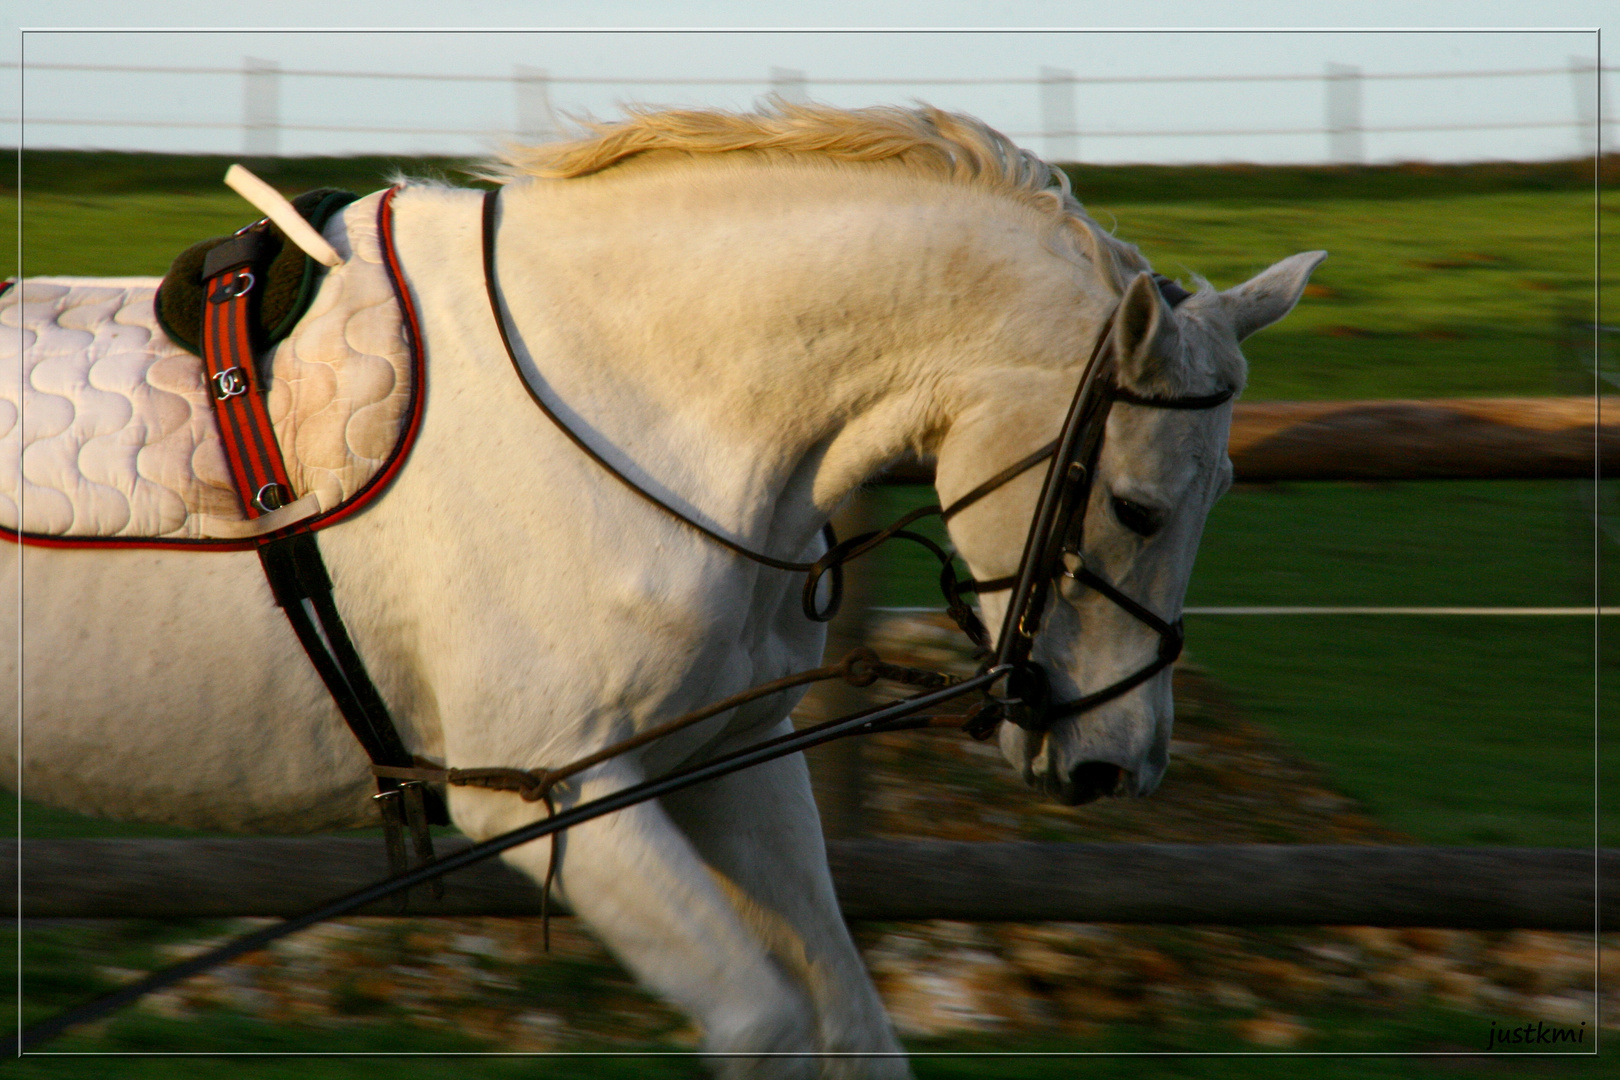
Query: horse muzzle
[(1087, 782)]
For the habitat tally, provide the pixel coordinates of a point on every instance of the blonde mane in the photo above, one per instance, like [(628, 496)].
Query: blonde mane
[(927, 140)]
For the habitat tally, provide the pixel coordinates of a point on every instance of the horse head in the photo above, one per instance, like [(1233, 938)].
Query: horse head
[(1089, 711)]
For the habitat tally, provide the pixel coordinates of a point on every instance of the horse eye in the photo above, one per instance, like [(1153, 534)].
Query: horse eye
[(1141, 520)]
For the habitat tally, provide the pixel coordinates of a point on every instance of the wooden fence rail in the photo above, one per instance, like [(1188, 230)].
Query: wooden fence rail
[(1462, 439), (1217, 884)]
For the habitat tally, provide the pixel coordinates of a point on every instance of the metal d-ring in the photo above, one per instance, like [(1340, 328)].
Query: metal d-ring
[(271, 497), (230, 290), (1028, 696)]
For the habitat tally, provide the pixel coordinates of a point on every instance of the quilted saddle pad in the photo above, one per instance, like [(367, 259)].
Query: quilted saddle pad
[(108, 435)]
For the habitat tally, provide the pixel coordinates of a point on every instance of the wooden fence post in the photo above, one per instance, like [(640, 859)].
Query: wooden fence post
[(1344, 129), (1059, 116), (261, 107), (536, 123)]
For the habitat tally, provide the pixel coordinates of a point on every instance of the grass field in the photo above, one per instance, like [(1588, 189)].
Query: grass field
[(1201, 1050)]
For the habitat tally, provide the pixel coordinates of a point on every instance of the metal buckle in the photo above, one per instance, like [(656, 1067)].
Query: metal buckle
[(229, 383), (1027, 699), (405, 808), (388, 802)]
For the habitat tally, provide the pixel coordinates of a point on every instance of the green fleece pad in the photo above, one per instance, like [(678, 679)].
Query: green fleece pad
[(289, 282)]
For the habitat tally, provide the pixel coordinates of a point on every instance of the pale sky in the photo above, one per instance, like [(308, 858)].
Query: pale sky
[(877, 39)]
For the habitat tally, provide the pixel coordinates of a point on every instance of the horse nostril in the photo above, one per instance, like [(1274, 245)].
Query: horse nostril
[(1091, 780)]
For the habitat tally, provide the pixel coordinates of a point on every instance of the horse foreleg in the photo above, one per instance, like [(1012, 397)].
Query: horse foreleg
[(759, 834), (648, 895)]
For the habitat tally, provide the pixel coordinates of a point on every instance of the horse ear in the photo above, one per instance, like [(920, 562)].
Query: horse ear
[(1145, 335), (1270, 294)]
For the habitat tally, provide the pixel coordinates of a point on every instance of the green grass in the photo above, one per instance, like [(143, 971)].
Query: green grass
[(1394, 267), (1457, 730), (116, 235), (1370, 1041), (1459, 296), (1462, 730), (1212, 1050), (1277, 184), (343, 1053), (1480, 542)]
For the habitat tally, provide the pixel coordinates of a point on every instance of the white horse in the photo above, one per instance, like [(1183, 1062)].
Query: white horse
[(750, 315)]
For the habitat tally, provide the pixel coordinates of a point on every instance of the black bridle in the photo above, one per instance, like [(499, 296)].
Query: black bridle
[(1054, 540), (1054, 547)]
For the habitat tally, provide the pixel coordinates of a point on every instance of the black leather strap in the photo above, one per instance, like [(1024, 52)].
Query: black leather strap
[(1017, 468), (499, 311), (302, 587)]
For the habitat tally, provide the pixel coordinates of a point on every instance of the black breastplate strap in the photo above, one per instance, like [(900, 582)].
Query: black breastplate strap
[(303, 589)]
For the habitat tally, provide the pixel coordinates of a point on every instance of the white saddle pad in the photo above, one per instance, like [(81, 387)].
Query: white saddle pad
[(107, 431)]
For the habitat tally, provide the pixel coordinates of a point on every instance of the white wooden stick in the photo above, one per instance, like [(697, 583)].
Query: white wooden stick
[(274, 206)]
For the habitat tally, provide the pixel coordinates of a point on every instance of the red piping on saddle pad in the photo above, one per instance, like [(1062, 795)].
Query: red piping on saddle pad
[(353, 505)]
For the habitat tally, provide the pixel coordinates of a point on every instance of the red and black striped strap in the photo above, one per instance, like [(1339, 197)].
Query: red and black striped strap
[(230, 276)]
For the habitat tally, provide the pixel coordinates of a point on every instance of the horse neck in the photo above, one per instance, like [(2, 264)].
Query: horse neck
[(760, 340)]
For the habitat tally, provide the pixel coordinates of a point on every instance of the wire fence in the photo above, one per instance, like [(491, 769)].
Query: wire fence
[(1343, 609), (537, 109)]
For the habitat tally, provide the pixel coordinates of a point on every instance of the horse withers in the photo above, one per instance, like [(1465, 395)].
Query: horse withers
[(749, 316)]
